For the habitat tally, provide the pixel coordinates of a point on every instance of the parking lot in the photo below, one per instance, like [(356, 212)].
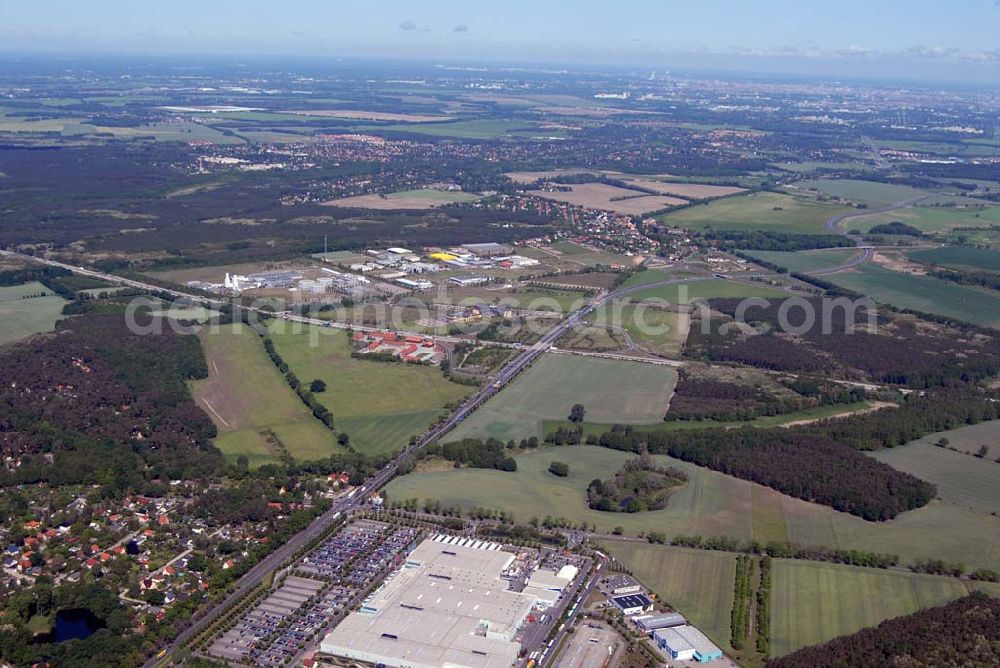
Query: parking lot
[(592, 646), (314, 593)]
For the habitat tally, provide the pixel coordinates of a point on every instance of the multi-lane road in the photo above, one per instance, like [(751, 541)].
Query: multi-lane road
[(524, 358)]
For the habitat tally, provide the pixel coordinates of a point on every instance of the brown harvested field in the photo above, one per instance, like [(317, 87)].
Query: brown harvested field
[(409, 199), (596, 112), (688, 190), (379, 203), (524, 178), (602, 196), (370, 115)]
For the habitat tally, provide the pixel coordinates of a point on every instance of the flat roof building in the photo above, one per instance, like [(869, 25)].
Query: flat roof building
[(633, 604), (418, 284), (621, 584), (487, 249), (447, 606), (684, 643), (466, 281), (650, 623)]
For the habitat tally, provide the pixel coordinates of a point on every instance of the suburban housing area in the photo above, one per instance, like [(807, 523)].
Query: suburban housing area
[(439, 359)]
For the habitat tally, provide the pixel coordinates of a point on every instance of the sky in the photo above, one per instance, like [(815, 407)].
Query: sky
[(916, 38)]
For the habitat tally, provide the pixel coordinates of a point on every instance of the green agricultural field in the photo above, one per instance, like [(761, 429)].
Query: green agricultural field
[(761, 211), (167, 131), (246, 396), (923, 293), (806, 261), (610, 390), (966, 147), (27, 309), (709, 504), (648, 276), (969, 438), (191, 313), (662, 332), (654, 329), (714, 288), (871, 193), (959, 257), (696, 583), (961, 479), (931, 219), (812, 602), (379, 404), (812, 414)]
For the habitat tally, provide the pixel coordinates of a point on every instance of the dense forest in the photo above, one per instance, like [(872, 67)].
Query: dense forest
[(472, 452), (804, 466), (823, 462), (774, 241), (96, 403), (965, 632), (705, 398), (901, 350)]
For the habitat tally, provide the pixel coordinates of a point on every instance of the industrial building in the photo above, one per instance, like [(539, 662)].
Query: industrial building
[(633, 604), (650, 623), (546, 586), (685, 643), (408, 348), (415, 284), (516, 262), (487, 249), (468, 281), (447, 606), (621, 584)]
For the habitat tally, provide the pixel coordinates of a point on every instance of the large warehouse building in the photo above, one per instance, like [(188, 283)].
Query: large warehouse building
[(685, 643), (447, 606)]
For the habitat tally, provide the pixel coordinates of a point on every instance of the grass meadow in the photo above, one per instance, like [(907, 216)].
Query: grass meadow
[(248, 399), (960, 257), (931, 219), (871, 193), (806, 261), (379, 404), (761, 211), (27, 309), (814, 602), (961, 478), (709, 504), (980, 306), (968, 438), (696, 583), (715, 288), (610, 390)]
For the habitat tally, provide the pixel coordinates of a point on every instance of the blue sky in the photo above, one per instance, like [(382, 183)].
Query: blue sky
[(804, 34)]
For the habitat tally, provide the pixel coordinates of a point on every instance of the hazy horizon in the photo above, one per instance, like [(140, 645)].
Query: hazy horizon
[(892, 40)]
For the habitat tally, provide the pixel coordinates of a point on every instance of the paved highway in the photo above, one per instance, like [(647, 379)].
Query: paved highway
[(834, 225), (507, 373)]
